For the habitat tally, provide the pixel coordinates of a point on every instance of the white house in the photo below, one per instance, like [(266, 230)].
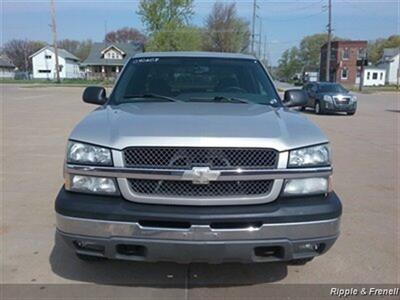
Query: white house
[(374, 76), (7, 68), (390, 62), (44, 64)]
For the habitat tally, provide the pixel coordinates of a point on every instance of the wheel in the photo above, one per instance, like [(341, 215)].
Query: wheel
[(303, 108), (318, 109), (90, 258), (351, 113), (300, 261)]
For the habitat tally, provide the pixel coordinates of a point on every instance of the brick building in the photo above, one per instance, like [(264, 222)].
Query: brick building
[(343, 64)]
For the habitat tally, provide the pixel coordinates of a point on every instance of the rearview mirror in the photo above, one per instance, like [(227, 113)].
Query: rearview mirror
[(293, 98), (95, 95)]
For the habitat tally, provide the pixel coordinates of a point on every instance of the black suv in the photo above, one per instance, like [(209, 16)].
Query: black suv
[(326, 97)]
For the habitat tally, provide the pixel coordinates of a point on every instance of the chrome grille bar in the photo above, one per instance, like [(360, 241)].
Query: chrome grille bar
[(173, 174)]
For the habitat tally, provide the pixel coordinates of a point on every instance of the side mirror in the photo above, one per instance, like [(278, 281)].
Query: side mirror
[(293, 98), (95, 95)]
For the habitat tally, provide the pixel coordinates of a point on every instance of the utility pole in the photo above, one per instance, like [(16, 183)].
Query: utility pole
[(54, 29), (328, 51), (265, 51), (253, 33)]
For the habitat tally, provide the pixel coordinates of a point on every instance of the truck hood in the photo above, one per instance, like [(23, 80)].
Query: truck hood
[(197, 125)]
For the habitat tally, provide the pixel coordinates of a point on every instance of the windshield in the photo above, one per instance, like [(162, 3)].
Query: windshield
[(195, 80), (332, 88)]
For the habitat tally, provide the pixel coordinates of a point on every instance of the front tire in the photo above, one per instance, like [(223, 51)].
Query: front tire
[(351, 113), (318, 109)]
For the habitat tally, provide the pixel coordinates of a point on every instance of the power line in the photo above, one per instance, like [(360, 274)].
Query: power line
[(291, 8), (296, 18)]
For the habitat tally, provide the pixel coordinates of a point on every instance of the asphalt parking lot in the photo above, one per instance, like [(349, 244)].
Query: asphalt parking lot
[(35, 126)]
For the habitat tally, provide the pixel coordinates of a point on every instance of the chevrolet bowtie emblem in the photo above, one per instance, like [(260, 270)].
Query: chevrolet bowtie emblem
[(201, 175)]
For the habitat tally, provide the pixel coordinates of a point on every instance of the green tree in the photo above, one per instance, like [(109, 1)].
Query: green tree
[(310, 49), (307, 55), (156, 14), (225, 31), (173, 38), (289, 64), (375, 48)]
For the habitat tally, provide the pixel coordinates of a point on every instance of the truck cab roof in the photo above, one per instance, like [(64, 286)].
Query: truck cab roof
[(198, 54)]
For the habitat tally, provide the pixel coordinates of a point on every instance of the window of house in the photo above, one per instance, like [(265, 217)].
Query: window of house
[(113, 55), (346, 53), (360, 53), (333, 53), (44, 71), (345, 73), (375, 75), (381, 75), (47, 56), (368, 75)]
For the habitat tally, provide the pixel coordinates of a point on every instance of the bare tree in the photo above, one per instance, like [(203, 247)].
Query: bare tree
[(125, 35), (80, 49), (18, 51), (225, 31)]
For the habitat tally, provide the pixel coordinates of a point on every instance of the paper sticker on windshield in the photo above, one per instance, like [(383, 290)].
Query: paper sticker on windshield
[(145, 60)]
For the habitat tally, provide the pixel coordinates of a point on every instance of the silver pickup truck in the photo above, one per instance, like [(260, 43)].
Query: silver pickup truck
[(195, 158)]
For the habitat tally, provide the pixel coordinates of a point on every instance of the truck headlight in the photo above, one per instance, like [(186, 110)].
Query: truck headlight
[(306, 186), (81, 153), (354, 98), (328, 98), (90, 184), (310, 156)]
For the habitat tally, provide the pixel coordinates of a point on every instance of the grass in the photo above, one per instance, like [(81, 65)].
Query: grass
[(375, 89)]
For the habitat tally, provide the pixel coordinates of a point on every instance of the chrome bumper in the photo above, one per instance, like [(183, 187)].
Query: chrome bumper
[(199, 243), (110, 229)]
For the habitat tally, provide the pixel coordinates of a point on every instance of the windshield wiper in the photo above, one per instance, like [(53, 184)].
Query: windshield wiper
[(223, 98), (152, 96)]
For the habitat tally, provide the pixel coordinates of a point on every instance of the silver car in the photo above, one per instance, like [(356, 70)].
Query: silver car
[(195, 158)]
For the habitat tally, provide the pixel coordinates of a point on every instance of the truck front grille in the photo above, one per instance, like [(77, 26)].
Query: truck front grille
[(186, 158), (174, 188)]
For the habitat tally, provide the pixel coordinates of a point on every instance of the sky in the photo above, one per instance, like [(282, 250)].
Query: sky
[(283, 23)]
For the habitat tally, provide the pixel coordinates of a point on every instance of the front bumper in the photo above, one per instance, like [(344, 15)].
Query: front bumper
[(335, 107), (115, 228)]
